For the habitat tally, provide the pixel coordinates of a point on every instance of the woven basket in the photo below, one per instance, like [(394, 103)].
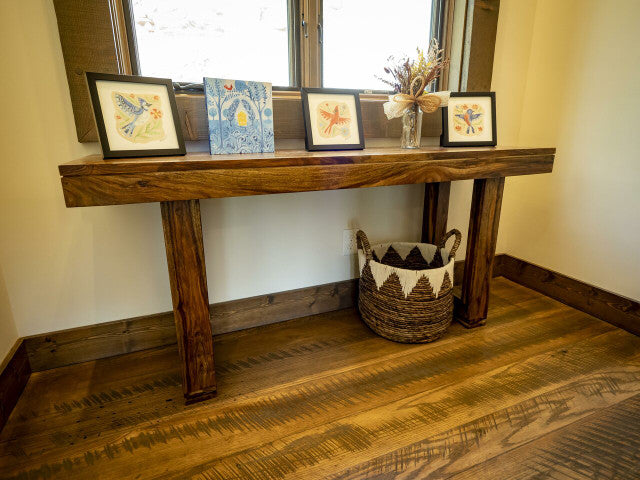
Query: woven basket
[(406, 288)]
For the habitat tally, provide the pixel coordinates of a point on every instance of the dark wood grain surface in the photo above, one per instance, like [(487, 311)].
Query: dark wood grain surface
[(188, 278), (436, 211), (203, 176), (96, 165), (14, 374), (611, 307), (542, 391), (102, 340), (486, 202)]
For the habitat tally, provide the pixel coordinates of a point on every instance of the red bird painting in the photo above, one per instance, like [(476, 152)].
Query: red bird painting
[(334, 119), (228, 87)]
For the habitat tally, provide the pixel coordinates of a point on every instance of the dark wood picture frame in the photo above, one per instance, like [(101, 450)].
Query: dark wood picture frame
[(107, 152), (444, 138), (306, 114)]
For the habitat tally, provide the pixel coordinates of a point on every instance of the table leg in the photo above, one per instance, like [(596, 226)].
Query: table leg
[(472, 309), (436, 211), (185, 257)]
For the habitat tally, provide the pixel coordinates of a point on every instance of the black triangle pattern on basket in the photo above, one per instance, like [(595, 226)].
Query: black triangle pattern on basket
[(392, 258), (414, 260), (422, 291)]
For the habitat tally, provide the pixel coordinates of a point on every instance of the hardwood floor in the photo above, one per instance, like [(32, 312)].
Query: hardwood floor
[(541, 391)]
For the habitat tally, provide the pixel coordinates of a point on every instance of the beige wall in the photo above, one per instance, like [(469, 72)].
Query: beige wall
[(62, 267), (581, 93)]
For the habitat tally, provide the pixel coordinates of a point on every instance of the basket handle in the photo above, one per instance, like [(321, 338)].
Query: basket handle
[(363, 242), (456, 244)]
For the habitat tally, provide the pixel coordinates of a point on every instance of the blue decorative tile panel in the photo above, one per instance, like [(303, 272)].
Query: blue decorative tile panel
[(240, 116)]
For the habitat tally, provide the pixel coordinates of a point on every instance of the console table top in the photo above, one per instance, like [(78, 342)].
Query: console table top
[(94, 181)]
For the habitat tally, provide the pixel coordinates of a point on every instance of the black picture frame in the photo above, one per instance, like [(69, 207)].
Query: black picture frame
[(107, 151), (444, 138), (306, 114)]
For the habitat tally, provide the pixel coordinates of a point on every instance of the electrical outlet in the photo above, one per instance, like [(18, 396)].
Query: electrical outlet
[(349, 244)]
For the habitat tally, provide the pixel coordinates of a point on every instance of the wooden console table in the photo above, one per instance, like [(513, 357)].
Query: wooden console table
[(179, 182)]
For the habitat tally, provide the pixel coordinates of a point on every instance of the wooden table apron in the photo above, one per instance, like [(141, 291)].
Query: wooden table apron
[(179, 182)]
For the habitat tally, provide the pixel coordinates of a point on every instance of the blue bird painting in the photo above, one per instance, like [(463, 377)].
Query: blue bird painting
[(469, 117), (138, 117), (137, 112)]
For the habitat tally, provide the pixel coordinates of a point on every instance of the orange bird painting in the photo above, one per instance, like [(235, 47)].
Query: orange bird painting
[(334, 119)]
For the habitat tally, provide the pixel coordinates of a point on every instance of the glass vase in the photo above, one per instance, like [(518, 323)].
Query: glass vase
[(411, 127)]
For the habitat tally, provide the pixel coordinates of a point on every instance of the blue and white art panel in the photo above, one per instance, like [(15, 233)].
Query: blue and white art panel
[(240, 115)]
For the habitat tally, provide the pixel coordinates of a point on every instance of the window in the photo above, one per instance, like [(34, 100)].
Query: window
[(345, 45), (359, 36), (190, 39)]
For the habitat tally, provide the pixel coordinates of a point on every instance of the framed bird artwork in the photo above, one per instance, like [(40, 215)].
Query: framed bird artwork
[(469, 120), (332, 119), (135, 116)]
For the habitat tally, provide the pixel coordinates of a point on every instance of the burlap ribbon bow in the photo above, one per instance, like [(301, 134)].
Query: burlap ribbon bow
[(428, 103)]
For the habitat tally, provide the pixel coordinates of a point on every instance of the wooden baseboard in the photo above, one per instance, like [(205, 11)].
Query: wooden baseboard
[(14, 373), (608, 306), (81, 344), (103, 340)]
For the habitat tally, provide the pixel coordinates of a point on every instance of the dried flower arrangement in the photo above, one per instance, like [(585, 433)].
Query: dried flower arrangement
[(409, 101), (405, 71)]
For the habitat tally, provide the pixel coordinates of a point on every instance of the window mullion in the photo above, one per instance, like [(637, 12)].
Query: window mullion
[(295, 46), (311, 48), (320, 40), (119, 10)]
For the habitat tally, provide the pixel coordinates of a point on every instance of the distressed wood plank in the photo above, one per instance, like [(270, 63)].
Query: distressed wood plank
[(214, 437), (536, 435), (14, 374), (187, 275), (486, 202), (436, 212), (292, 352), (616, 309), (91, 190), (82, 344), (317, 453), (96, 165), (605, 444), (312, 398)]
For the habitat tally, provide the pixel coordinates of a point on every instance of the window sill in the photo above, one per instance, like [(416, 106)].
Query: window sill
[(288, 121)]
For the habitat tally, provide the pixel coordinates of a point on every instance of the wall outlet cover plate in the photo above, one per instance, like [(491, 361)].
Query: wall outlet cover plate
[(349, 244)]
